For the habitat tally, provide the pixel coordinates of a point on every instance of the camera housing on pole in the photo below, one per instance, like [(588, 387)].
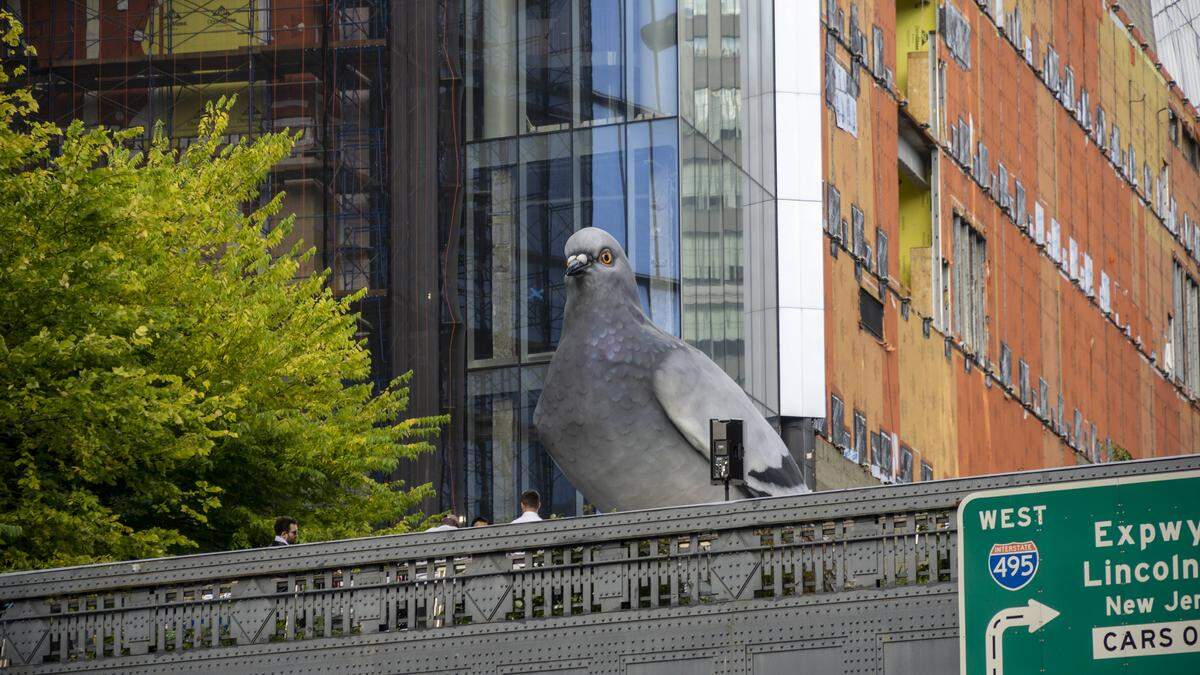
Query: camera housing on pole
[(725, 453)]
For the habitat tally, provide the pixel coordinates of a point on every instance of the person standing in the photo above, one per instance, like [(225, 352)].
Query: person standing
[(449, 522), (531, 501), (286, 531)]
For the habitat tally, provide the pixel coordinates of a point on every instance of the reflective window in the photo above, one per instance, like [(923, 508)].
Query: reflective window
[(490, 250), (547, 208), (601, 85), (503, 457), (727, 212), (533, 66), (490, 68), (651, 66), (545, 87), (653, 232), (602, 179)]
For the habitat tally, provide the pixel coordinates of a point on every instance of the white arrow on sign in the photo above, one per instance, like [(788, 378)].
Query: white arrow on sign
[(1034, 615)]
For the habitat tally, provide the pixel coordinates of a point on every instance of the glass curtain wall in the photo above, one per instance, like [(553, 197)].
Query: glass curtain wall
[(728, 183), (569, 122)]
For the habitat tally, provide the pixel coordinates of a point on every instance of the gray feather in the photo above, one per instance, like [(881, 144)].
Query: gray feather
[(693, 390)]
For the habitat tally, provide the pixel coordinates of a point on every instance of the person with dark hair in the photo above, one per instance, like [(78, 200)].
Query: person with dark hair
[(480, 521), (286, 531), (531, 501), (449, 522)]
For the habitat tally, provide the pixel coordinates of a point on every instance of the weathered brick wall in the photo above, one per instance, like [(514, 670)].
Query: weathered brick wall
[(949, 405)]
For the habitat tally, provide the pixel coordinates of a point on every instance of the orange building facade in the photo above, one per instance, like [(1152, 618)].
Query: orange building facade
[(1032, 171)]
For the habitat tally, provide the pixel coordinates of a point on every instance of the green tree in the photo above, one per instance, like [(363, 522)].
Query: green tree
[(167, 381)]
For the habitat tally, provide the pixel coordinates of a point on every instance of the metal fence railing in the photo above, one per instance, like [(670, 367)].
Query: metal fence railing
[(881, 559)]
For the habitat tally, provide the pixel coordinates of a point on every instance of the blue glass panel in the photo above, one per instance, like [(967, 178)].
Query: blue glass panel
[(490, 68), (546, 54), (547, 222), (538, 470), (489, 255), (652, 57), (601, 98), (653, 199), (492, 442), (602, 179)]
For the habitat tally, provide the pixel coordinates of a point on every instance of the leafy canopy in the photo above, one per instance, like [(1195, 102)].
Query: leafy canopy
[(167, 381)]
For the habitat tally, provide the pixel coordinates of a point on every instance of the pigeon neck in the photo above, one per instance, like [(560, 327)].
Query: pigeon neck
[(610, 303)]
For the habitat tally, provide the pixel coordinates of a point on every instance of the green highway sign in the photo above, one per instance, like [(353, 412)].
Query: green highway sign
[(1090, 577)]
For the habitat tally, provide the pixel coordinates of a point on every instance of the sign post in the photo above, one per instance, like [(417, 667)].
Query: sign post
[(1091, 577)]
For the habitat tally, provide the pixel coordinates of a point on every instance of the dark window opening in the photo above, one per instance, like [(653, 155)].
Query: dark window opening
[(870, 313), (904, 473)]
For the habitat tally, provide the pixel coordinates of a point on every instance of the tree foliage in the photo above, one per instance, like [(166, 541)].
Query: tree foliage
[(167, 382)]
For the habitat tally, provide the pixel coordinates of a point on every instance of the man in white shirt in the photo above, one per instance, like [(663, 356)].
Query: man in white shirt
[(531, 501), (286, 531), (449, 522)]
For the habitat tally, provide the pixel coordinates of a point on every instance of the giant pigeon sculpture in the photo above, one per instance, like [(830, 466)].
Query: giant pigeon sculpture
[(625, 408)]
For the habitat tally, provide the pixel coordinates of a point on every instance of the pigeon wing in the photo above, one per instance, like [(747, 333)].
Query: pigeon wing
[(693, 390)]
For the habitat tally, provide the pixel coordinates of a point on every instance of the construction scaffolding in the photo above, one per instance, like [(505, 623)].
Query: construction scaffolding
[(309, 66)]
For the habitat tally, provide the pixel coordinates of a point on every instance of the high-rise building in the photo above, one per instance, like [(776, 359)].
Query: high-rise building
[(928, 238)]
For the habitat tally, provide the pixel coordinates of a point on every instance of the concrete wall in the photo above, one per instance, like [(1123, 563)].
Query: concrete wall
[(798, 174)]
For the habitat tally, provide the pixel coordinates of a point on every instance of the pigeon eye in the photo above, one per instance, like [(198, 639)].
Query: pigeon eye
[(606, 257)]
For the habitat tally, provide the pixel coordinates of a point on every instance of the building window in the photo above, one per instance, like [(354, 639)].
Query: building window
[(1068, 90), (877, 64), (833, 211), (838, 434), (545, 66), (870, 313), (1191, 149), (883, 458), (1184, 349), (1043, 400), (926, 471), (1019, 215), (1023, 381), (957, 33), (858, 229), (730, 46), (970, 272), (1005, 365), (859, 452), (503, 455), (904, 473), (1173, 127), (881, 253)]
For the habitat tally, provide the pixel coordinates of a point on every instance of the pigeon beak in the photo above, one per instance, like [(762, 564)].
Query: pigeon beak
[(577, 264)]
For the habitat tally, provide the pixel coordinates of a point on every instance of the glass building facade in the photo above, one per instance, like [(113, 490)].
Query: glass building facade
[(647, 118)]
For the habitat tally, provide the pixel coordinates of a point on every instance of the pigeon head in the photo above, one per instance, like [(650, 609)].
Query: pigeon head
[(595, 258), (596, 261)]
